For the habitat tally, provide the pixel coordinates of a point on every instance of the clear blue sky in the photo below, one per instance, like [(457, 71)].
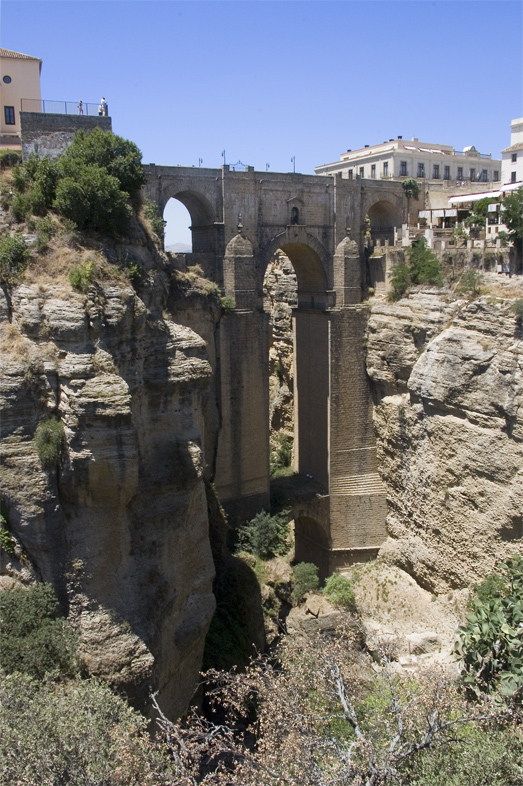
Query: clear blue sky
[(269, 80)]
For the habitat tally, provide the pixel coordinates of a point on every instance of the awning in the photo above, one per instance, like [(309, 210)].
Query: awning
[(461, 198)]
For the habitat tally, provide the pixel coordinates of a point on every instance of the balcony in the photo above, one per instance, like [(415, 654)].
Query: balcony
[(59, 107)]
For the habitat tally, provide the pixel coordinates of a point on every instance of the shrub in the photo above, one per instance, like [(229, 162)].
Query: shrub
[(339, 590), (490, 645), (157, 222), (470, 283), (13, 258), (517, 309), (82, 276), (75, 732), (93, 200), (304, 579), (265, 535), (8, 158), (424, 264), (400, 281), (227, 303), (119, 157), (34, 639), (49, 440), (281, 453)]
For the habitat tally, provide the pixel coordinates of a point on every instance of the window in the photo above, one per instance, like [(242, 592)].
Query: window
[(513, 177), (446, 173), (460, 173), (403, 168), (496, 174), (385, 169), (514, 157), (435, 172), (484, 175), (9, 113), (373, 170), (7, 79), (421, 170), (472, 174), (350, 174), (362, 170)]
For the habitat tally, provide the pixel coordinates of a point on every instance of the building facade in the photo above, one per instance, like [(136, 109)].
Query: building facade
[(19, 79), (512, 167), (398, 159)]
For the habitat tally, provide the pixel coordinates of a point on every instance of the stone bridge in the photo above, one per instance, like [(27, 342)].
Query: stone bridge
[(239, 220)]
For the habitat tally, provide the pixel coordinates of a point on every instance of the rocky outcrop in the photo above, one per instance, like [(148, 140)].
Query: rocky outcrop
[(449, 386), (120, 525)]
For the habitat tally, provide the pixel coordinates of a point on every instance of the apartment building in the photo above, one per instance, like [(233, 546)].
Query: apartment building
[(397, 159)]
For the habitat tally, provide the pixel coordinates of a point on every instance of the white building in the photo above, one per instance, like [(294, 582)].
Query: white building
[(399, 158), (512, 167)]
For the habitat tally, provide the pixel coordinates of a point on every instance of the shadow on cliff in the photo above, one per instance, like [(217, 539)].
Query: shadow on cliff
[(237, 629)]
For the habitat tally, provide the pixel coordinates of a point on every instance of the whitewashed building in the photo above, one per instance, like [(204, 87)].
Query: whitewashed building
[(512, 166), (398, 158)]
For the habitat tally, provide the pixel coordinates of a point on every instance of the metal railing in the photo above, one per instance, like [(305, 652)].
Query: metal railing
[(60, 107)]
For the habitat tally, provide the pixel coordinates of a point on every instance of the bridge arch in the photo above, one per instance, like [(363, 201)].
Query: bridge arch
[(384, 216), (202, 218), (312, 543), (310, 262)]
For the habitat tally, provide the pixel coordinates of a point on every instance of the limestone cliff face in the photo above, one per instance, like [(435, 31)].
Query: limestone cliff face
[(449, 385), (120, 526)]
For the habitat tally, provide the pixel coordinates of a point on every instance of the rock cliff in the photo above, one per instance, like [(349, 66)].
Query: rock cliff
[(120, 525), (448, 381)]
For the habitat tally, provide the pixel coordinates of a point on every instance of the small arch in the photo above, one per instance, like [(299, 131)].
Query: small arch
[(295, 216), (178, 235), (384, 217), (311, 544)]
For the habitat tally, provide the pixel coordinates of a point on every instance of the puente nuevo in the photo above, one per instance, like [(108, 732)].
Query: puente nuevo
[(239, 220)]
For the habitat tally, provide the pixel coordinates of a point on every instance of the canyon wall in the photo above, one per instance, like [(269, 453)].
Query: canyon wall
[(447, 377), (120, 524)]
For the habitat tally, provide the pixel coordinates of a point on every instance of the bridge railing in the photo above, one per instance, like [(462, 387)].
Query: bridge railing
[(59, 107)]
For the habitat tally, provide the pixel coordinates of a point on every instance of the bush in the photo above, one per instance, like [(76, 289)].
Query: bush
[(400, 281), (424, 264), (304, 579), (265, 535), (13, 258), (470, 283), (119, 157), (517, 309), (339, 590), (34, 639), (281, 453), (490, 645), (227, 303), (49, 440), (82, 276), (93, 200), (8, 158), (77, 733), (157, 222)]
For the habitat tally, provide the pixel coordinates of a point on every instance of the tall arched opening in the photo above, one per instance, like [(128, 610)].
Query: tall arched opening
[(202, 220), (304, 382), (178, 234), (384, 218), (311, 544)]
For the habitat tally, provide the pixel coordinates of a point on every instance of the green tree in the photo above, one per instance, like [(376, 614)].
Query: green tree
[(424, 264), (411, 189), (93, 200), (34, 638), (265, 535), (119, 157), (478, 218), (304, 579), (13, 258), (513, 217)]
